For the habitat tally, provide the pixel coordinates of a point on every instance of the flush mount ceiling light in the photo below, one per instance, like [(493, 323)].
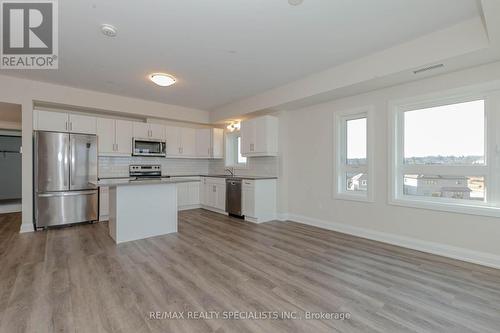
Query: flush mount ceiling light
[(108, 30), (295, 2), (162, 79)]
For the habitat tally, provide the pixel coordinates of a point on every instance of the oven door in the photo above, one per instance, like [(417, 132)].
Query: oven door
[(149, 147)]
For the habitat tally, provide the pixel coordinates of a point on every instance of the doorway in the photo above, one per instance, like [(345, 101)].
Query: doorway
[(10, 157)]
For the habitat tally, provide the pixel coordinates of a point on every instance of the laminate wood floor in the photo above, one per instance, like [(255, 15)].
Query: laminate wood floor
[(77, 280)]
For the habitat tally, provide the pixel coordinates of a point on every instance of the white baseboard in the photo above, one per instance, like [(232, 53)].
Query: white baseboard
[(188, 207), (282, 217), (476, 257), (215, 210), (10, 208), (26, 227)]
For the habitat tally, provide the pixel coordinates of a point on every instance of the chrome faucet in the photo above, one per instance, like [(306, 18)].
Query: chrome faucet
[(231, 171)]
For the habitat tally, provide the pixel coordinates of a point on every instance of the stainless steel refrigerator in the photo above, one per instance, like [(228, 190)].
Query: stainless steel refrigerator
[(65, 164)]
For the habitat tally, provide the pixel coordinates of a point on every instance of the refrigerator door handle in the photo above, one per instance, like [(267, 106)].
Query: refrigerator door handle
[(66, 194)]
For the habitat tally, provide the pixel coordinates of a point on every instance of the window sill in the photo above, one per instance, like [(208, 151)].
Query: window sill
[(459, 208), (353, 197)]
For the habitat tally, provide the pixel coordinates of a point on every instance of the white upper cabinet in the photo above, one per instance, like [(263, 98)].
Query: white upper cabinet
[(157, 131), (141, 130), (188, 142), (105, 136), (181, 141), (114, 137), (123, 137), (173, 141), (217, 143), (203, 142), (82, 124), (259, 136), (51, 121), (210, 143), (64, 122), (149, 131)]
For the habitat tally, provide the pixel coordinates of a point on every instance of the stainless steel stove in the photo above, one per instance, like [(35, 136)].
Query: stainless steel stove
[(140, 172)]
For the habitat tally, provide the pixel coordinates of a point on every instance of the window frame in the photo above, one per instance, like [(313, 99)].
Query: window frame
[(340, 152), (397, 167), (231, 156)]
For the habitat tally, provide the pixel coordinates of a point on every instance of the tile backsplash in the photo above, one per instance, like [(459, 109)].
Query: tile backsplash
[(118, 166), (256, 166)]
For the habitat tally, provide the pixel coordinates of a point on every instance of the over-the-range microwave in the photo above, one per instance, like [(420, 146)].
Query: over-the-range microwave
[(149, 147)]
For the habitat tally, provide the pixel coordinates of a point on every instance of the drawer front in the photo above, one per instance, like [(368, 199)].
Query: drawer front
[(66, 207), (248, 183)]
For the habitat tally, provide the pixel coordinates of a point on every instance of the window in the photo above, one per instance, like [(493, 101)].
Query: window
[(440, 156), (353, 155), (241, 159), (233, 151)]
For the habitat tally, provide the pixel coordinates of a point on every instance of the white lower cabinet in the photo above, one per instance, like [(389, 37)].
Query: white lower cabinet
[(188, 194), (259, 200), (103, 203), (213, 194)]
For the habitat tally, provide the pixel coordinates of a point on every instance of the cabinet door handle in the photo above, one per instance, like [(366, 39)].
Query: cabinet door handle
[(251, 147), (66, 126), (71, 126)]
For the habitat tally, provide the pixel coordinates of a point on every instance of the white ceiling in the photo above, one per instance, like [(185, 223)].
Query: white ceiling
[(225, 50)]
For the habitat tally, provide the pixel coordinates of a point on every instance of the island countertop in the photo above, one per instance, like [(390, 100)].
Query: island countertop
[(133, 182)]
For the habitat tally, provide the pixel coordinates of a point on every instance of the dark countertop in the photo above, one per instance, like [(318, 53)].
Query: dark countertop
[(127, 181), (228, 176), (206, 175)]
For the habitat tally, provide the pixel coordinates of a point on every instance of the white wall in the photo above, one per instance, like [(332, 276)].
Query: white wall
[(309, 161), (25, 92)]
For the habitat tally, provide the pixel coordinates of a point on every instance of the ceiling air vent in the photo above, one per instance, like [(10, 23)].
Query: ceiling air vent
[(428, 68)]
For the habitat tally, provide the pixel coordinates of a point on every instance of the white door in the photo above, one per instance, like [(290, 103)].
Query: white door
[(141, 130), (82, 124), (217, 143), (172, 135), (202, 191), (248, 201), (188, 142), (210, 194), (220, 200), (52, 121), (203, 142), (157, 131), (105, 136), (123, 136), (247, 136), (194, 193), (182, 194)]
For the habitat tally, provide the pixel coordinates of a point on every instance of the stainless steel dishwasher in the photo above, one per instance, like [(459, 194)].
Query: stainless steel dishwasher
[(233, 197)]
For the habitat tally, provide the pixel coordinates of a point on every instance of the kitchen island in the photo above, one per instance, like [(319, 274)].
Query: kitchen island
[(141, 209)]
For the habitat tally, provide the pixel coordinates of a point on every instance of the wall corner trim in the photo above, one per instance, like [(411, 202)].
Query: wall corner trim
[(475, 257), (26, 227)]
